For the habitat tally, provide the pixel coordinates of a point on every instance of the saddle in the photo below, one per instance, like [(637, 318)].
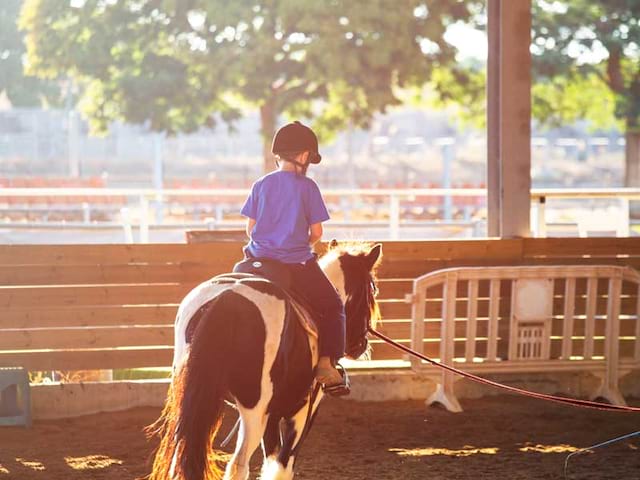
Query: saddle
[(272, 270), (278, 273)]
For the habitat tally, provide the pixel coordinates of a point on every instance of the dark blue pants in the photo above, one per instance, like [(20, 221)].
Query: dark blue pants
[(310, 281)]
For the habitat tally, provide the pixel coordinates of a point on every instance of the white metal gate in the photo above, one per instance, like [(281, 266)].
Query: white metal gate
[(539, 329)]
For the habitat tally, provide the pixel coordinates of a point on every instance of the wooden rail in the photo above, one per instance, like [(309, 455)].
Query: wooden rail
[(67, 307)]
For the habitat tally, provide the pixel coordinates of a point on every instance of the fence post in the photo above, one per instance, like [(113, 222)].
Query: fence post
[(623, 230), (125, 218), (144, 219), (394, 216), (541, 224), (444, 393), (418, 306), (86, 212), (609, 389)]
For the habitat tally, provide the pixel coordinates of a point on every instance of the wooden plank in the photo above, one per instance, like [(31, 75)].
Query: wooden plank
[(568, 312), (212, 252), (384, 351), (88, 359), (51, 317), (115, 315), (83, 337), (628, 328), (577, 247), (183, 272), (401, 329), (391, 309), (592, 291), (119, 253), (453, 249), (394, 289), (57, 296), (621, 261), (396, 329), (444, 253), (208, 236), (627, 349), (398, 309), (403, 268)]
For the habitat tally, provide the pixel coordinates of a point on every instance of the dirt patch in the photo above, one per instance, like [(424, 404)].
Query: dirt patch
[(501, 437)]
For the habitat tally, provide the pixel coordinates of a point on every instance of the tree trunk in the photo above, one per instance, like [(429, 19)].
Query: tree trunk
[(632, 158), (268, 117)]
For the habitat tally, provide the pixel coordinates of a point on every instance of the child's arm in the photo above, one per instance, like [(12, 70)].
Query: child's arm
[(251, 222), (316, 233)]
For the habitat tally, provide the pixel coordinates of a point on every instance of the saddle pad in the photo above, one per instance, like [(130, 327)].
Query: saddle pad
[(301, 312)]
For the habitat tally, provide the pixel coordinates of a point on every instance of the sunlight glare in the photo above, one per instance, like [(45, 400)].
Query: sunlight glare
[(549, 448), (3, 470), (91, 462), (427, 452), (30, 464)]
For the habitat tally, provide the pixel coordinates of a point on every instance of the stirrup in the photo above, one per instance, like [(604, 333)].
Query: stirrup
[(339, 389)]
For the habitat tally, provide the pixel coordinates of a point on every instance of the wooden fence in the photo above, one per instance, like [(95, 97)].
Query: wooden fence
[(71, 307)]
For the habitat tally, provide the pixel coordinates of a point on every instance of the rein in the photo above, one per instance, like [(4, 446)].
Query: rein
[(308, 422), (475, 378)]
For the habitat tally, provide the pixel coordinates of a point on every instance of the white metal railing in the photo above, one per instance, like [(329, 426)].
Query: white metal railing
[(527, 345), (144, 200)]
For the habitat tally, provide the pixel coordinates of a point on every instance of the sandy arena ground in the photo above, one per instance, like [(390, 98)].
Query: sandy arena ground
[(502, 437)]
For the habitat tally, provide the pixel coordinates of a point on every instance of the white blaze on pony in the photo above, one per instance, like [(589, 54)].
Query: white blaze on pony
[(240, 337)]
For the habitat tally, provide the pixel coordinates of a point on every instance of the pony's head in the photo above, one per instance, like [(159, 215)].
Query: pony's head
[(352, 270)]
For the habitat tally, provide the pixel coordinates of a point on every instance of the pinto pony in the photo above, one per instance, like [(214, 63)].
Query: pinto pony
[(242, 339)]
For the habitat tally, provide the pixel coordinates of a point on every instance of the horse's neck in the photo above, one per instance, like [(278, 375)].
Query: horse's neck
[(330, 264)]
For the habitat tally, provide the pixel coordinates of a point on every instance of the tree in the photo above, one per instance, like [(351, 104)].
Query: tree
[(183, 64), (21, 90), (592, 44)]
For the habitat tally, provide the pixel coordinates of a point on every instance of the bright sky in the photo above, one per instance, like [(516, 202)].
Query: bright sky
[(471, 43)]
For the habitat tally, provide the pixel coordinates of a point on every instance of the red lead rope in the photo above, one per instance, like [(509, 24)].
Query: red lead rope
[(475, 378)]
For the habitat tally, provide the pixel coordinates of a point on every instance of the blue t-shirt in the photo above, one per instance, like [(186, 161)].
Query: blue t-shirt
[(284, 206)]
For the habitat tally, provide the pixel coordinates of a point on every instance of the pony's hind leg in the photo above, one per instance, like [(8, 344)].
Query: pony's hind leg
[(271, 440), (252, 426), (281, 467), (271, 446)]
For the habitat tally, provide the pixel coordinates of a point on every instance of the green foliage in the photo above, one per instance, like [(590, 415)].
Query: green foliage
[(589, 43), (586, 66), (132, 63), (462, 89), (177, 63), (21, 90), (562, 100)]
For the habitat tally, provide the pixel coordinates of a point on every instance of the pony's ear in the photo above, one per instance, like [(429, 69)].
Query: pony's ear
[(333, 243), (374, 255)]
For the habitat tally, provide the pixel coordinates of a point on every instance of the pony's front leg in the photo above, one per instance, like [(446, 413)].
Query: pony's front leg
[(252, 426), (281, 468)]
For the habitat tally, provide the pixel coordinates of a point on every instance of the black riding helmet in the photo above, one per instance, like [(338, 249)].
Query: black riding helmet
[(294, 138)]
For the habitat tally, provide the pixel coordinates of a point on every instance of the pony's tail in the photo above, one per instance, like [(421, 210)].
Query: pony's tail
[(193, 412)]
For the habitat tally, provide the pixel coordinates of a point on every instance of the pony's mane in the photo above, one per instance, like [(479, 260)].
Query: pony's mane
[(351, 248)]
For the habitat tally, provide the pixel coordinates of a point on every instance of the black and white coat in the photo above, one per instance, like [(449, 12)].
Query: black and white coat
[(241, 339)]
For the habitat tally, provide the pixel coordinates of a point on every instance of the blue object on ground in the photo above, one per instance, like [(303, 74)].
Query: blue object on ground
[(15, 397)]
